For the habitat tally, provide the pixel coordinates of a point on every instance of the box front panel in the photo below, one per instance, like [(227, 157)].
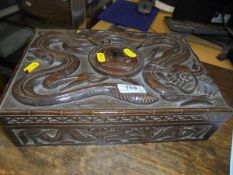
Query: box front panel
[(78, 135), (109, 129)]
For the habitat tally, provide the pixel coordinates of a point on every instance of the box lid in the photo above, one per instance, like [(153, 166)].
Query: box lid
[(91, 72)]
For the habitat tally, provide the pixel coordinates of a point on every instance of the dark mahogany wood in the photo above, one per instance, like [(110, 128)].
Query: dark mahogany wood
[(74, 98)]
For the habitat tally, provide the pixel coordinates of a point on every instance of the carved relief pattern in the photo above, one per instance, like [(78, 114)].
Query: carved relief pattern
[(165, 61), (55, 48), (170, 77), (111, 119), (100, 134)]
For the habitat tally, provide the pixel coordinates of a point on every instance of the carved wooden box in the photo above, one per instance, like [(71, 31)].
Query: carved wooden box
[(97, 87)]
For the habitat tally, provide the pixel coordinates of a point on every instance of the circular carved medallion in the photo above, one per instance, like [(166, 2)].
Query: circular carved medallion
[(116, 60)]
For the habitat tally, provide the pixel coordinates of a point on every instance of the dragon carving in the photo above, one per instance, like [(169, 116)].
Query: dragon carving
[(159, 58), (169, 76), (57, 73)]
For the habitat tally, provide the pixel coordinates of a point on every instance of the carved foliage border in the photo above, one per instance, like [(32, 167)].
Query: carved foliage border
[(98, 134)]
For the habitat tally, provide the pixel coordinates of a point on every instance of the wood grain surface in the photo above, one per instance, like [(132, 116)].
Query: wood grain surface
[(211, 157)]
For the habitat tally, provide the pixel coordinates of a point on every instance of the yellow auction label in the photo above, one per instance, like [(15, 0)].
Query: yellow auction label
[(78, 31), (101, 57), (32, 66), (129, 53)]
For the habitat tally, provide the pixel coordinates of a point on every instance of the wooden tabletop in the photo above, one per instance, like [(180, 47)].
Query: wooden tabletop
[(211, 157)]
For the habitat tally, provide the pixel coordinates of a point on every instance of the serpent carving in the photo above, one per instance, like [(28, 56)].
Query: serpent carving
[(57, 76), (169, 76), (163, 61)]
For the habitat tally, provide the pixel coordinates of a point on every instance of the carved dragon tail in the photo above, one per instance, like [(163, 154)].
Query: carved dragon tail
[(134, 98)]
